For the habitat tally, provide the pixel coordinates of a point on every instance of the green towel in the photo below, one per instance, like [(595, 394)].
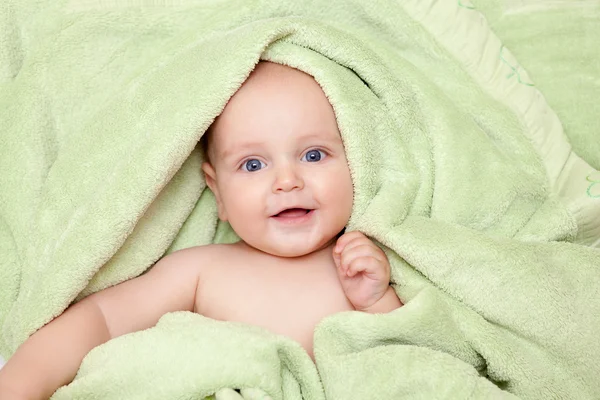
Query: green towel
[(566, 68), (462, 173)]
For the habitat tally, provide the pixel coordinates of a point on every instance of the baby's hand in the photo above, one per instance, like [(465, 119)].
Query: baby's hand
[(364, 272)]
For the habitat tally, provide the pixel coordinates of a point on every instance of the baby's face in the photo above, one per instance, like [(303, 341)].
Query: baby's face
[(279, 171)]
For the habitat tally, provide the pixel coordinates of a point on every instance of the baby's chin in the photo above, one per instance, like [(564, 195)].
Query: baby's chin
[(291, 250)]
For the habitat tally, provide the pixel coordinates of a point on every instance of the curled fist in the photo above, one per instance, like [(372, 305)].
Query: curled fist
[(364, 272)]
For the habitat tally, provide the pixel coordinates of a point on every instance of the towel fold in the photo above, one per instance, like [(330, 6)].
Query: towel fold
[(462, 173)]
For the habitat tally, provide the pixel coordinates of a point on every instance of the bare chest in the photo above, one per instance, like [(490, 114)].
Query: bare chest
[(287, 300)]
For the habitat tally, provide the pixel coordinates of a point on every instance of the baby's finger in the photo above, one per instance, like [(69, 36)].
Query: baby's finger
[(345, 239), (337, 259), (368, 265), (356, 242), (360, 250), (357, 250)]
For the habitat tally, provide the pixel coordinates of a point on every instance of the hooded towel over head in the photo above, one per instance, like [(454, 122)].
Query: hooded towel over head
[(462, 172)]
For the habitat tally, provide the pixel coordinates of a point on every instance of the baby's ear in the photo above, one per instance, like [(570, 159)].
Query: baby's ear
[(211, 180)]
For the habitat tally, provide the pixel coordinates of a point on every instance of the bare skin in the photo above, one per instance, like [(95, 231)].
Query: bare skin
[(288, 195), (286, 296)]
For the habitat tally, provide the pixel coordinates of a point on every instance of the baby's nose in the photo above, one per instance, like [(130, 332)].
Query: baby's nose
[(287, 179)]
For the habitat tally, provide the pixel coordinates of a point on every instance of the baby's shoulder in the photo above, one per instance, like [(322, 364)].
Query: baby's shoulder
[(202, 256), (208, 250)]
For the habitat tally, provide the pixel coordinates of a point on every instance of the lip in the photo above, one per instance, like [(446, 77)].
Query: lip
[(294, 220), (291, 207)]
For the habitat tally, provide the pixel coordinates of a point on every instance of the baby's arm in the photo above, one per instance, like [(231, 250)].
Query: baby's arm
[(364, 273), (51, 357)]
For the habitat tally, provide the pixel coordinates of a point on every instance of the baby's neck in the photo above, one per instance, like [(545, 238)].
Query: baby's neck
[(320, 252)]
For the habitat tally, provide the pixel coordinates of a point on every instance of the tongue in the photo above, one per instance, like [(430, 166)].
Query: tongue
[(292, 213)]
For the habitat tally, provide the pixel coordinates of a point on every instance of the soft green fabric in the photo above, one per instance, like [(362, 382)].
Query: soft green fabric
[(566, 68), (557, 42), (459, 171)]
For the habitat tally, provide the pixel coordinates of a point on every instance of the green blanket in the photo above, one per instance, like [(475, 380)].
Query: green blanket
[(462, 172)]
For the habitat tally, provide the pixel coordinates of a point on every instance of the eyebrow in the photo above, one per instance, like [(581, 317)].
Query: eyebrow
[(239, 147)]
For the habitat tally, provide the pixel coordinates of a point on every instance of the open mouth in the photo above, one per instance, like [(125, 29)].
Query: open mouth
[(293, 213)]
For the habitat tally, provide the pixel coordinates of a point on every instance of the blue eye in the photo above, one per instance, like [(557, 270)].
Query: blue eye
[(313, 156), (253, 165)]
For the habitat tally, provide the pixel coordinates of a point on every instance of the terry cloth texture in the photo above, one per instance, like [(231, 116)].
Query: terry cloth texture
[(462, 172)]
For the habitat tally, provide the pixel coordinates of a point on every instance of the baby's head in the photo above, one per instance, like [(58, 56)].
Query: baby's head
[(277, 164)]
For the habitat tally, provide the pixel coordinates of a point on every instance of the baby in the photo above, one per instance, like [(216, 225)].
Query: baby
[(277, 167)]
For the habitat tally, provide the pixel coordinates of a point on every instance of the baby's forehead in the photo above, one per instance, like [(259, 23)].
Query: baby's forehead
[(266, 70), (225, 142), (269, 77), (275, 101)]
